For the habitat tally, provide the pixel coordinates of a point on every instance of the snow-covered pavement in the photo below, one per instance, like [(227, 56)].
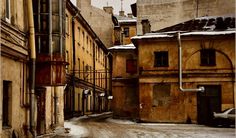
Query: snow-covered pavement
[(102, 126)]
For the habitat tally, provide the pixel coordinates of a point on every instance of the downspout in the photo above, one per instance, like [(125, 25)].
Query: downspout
[(200, 89), (73, 75), (32, 71), (94, 79)]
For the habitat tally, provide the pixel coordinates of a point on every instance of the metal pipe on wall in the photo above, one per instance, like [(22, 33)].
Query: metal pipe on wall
[(32, 60), (200, 89)]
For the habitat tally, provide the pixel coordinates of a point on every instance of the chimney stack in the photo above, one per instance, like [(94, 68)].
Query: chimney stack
[(146, 26), (130, 15), (122, 13), (108, 9)]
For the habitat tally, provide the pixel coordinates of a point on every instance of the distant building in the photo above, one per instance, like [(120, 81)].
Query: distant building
[(99, 20), (124, 76), (88, 67), (165, 13), (208, 51)]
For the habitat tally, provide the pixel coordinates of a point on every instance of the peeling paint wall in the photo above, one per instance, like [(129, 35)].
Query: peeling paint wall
[(181, 106)]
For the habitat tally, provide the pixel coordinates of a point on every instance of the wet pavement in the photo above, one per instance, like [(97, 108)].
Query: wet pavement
[(103, 126)]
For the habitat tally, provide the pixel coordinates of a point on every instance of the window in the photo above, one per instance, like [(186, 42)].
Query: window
[(161, 94), (83, 40), (6, 103), (83, 71), (78, 35), (126, 32), (79, 66), (208, 57), (67, 25), (161, 59), (8, 10), (131, 66)]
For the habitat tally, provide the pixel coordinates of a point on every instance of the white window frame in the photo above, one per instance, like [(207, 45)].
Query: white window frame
[(8, 19)]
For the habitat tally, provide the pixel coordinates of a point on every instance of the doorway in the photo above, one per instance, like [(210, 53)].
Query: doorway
[(207, 103), (41, 124)]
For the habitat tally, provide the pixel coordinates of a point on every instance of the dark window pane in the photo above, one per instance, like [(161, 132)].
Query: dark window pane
[(161, 59), (126, 32), (208, 57), (131, 66)]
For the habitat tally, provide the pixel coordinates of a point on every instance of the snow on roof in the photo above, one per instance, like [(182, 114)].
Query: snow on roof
[(129, 46), (126, 21), (210, 33), (171, 34)]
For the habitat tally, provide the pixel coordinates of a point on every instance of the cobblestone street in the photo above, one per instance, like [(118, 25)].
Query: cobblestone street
[(105, 127)]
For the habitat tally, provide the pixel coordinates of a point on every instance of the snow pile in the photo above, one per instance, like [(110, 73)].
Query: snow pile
[(75, 129), (118, 121)]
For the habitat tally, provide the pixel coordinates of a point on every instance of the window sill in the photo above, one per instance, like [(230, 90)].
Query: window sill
[(6, 127)]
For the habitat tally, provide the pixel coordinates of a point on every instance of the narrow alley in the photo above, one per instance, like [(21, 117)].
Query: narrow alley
[(103, 126)]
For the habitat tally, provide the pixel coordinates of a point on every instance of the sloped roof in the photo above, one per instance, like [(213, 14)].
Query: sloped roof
[(204, 26), (207, 23)]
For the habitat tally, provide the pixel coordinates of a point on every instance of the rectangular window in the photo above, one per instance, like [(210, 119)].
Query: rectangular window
[(6, 103), (161, 59), (126, 32), (8, 10), (79, 66), (78, 35), (161, 95), (208, 57), (131, 66), (83, 71), (83, 40)]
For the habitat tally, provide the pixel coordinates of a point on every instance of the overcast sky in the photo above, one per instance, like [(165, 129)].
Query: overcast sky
[(116, 4)]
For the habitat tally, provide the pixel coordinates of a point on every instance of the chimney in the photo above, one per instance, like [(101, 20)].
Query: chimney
[(146, 26), (122, 13), (130, 15), (108, 9)]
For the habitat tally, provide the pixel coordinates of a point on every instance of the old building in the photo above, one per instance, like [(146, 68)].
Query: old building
[(14, 69), (125, 29), (99, 20), (206, 46), (124, 76), (88, 67), (165, 13), (49, 23)]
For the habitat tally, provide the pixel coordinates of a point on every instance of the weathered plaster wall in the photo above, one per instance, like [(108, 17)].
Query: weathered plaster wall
[(179, 106), (99, 20), (164, 13), (12, 70)]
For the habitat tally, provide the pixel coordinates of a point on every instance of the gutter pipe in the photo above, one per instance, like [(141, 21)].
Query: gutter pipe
[(73, 46), (200, 89), (32, 69)]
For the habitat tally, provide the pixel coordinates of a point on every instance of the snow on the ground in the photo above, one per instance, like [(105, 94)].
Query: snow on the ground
[(118, 121), (75, 129)]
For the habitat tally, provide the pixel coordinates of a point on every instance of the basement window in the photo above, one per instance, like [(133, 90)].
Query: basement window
[(208, 57), (161, 59)]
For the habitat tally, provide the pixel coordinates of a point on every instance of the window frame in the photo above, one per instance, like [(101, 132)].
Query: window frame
[(207, 57), (161, 59), (126, 31), (133, 62)]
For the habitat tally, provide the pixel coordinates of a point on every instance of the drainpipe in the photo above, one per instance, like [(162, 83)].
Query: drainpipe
[(32, 71), (73, 76), (200, 89)]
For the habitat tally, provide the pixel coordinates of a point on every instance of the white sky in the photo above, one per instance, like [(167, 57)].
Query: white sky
[(116, 4)]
